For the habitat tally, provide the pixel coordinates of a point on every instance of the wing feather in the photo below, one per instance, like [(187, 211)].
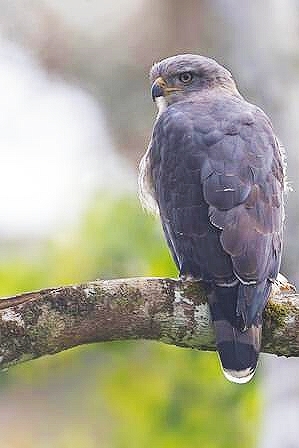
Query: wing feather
[(218, 182)]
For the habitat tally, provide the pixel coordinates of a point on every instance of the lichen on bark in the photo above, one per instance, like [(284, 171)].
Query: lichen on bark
[(167, 310)]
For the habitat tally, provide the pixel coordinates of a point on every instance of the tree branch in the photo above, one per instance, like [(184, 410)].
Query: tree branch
[(172, 311)]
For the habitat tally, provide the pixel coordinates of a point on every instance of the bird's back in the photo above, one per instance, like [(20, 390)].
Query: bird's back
[(214, 168), (211, 159)]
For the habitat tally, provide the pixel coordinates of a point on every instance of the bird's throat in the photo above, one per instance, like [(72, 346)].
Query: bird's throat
[(161, 104)]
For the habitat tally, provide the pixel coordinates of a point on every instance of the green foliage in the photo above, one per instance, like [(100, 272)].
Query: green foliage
[(173, 397), (134, 394)]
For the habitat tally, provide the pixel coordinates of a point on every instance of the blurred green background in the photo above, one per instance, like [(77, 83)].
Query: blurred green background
[(76, 116), (120, 394)]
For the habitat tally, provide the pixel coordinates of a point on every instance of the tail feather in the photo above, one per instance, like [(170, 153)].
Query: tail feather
[(238, 348), (251, 301), (238, 351)]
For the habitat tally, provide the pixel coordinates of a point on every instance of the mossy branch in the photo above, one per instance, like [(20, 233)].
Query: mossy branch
[(172, 311)]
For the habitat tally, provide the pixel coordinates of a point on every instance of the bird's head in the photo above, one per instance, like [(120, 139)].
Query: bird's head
[(179, 77)]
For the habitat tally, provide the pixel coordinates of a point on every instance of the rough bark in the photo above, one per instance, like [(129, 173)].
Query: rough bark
[(172, 311)]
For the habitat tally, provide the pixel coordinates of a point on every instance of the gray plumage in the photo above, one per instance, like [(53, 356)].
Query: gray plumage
[(214, 171)]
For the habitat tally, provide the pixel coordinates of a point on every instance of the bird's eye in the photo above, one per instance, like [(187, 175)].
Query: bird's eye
[(186, 77)]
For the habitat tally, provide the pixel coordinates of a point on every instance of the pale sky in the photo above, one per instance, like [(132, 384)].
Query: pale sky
[(95, 16), (54, 148)]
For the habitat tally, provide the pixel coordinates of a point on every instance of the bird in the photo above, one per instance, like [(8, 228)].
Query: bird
[(214, 171)]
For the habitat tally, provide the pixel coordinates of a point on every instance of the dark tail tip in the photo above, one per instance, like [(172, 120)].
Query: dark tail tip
[(238, 351), (238, 361)]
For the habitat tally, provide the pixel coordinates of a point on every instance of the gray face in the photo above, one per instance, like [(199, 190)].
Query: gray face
[(183, 74)]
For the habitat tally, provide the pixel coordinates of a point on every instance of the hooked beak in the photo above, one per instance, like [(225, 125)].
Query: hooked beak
[(160, 88)]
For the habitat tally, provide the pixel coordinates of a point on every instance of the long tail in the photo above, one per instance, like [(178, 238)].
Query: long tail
[(238, 350)]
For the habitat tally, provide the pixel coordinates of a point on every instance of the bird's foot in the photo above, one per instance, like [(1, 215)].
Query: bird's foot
[(282, 286)]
